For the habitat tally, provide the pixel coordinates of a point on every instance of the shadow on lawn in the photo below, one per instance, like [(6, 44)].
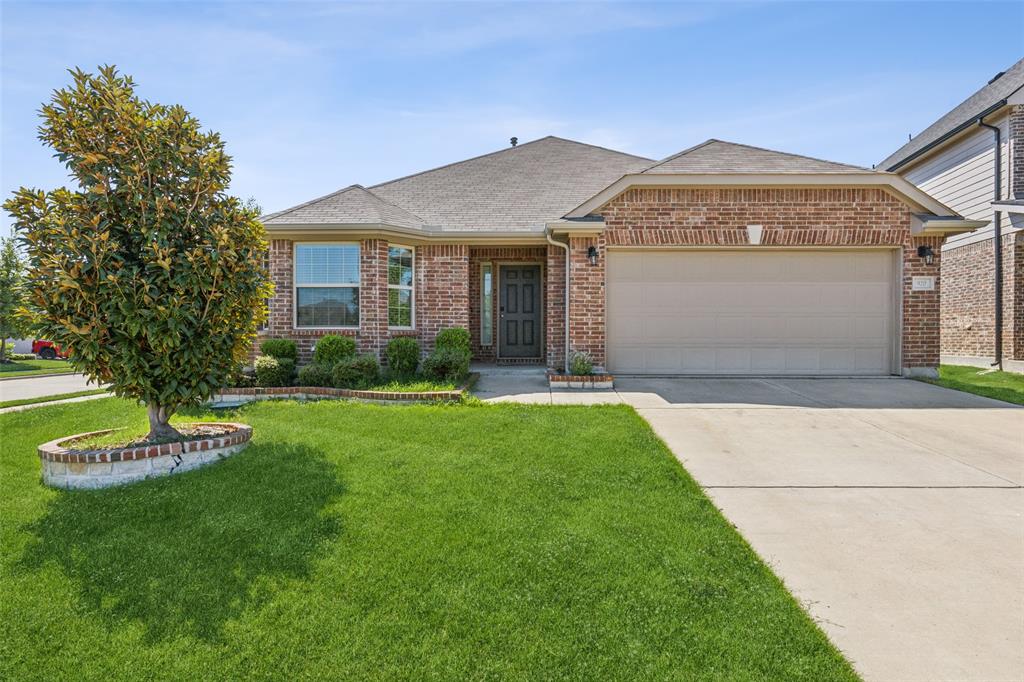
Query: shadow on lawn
[(183, 555)]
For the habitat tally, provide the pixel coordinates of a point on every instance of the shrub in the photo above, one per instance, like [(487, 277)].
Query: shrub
[(403, 354), (271, 371), (315, 374), (359, 371), (447, 364), (332, 348), (580, 364), (453, 338), (280, 348)]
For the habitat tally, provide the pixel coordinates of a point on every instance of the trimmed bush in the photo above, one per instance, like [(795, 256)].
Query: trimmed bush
[(447, 364), (315, 374), (360, 371), (332, 348), (580, 364), (280, 348), (271, 371), (453, 338), (403, 354)]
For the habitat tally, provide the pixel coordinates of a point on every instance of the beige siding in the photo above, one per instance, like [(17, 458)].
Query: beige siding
[(961, 175)]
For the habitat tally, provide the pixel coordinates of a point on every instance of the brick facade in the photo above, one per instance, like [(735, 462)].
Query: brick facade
[(839, 217), (1017, 152), (968, 295), (448, 283)]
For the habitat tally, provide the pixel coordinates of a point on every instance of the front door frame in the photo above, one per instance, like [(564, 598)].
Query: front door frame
[(498, 264)]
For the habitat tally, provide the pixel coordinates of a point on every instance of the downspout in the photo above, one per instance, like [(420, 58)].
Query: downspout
[(552, 240), (997, 236)]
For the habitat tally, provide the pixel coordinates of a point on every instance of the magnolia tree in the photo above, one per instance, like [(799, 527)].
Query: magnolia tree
[(148, 272), (12, 293)]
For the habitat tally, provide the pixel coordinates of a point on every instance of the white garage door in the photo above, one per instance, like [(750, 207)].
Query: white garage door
[(751, 312)]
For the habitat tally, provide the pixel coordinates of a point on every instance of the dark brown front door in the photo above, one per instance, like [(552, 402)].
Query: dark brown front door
[(519, 311)]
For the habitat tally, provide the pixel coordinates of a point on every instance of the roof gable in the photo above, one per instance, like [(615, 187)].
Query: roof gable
[(352, 205), (717, 156), (989, 96)]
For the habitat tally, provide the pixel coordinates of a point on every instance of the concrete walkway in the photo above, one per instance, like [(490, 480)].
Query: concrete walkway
[(892, 509)]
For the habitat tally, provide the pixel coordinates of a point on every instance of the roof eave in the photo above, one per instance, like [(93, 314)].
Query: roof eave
[(942, 139), (426, 234), (942, 226)]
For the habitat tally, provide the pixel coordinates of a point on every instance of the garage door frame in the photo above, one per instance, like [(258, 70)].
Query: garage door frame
[(896, 252)]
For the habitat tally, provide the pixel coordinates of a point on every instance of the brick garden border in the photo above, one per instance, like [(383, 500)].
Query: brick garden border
[(245, 395), (66, 467), (586, 381)]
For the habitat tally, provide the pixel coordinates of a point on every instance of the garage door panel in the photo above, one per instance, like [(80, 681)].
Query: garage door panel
[(743, 312)]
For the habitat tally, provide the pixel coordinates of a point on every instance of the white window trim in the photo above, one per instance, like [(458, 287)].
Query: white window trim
[(411, 288), (296, 286)]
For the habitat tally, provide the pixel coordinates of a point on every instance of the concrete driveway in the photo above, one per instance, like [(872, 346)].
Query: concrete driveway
[(892, 509)]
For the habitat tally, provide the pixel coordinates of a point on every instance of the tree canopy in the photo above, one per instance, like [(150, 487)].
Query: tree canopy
[(148, 271), (12, 293)]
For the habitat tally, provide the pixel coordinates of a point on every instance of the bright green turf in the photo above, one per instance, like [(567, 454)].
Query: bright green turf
[(50, 398), (27, 368), (1007, 386), (387, 542)]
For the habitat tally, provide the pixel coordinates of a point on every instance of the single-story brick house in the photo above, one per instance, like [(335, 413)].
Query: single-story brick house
[(721, 259), (972, 160)]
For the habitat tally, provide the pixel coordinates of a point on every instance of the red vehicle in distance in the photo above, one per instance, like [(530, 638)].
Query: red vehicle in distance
[(48, 350)]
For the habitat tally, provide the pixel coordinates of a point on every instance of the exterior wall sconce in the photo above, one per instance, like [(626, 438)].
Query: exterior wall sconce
[(592, 255), (925, 251)]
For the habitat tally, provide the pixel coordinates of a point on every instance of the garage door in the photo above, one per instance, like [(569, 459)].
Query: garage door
[(751, 312)]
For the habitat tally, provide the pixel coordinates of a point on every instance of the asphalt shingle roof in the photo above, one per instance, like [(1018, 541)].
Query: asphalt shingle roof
[(716, 156), (354, 204), (519, 188), (994, 92)]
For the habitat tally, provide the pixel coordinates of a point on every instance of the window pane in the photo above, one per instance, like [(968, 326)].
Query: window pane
[(486, 306), (334, 307), (400, 307), (326, 264), (400, 266)]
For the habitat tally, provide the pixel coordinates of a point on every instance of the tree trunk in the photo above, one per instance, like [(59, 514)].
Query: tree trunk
[(159, 429), (3, 349)]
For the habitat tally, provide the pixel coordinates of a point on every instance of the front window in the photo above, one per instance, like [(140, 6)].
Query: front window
[(400, 287), (326, 285)]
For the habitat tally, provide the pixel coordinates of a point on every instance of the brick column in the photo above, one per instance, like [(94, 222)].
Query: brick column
[(921, 309), (442, 290), (586, 298), (1016, 178), (373, 295), (554, 323)]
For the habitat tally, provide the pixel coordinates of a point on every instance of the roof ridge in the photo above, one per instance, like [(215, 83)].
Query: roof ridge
[(495, 153), (598, 146), (750, 146), (390, 203), (286, 211)]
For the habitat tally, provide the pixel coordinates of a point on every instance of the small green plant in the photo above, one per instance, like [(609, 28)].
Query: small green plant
[(403, 354), (315, 374), (271, 371), (360, 371), (580, 364), (447, 364), (333, 348), (280, 348), (453, 338)]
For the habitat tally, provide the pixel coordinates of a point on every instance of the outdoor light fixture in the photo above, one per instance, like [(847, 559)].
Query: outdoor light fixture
[(592, 255), (926, 252)]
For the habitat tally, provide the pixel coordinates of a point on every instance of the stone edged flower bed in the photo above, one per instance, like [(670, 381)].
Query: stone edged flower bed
[(585, 381), (234, 396), (101, 467)]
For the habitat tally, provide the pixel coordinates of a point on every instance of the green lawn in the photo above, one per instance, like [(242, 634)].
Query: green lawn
[(1008, 386), (50, 398), (386, 542), (26, 368)]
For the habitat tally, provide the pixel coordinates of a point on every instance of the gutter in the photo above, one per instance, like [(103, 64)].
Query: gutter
[(997, 240), (552, 240), (955, 131)]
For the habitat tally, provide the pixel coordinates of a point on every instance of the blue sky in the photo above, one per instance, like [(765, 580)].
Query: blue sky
[(311, 97)]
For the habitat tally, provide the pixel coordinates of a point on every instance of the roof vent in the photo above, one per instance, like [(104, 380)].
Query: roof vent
[(996, 77), (514, 141)]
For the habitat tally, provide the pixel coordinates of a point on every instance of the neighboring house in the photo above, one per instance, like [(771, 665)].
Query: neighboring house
[(954, 160), (721, 259)]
